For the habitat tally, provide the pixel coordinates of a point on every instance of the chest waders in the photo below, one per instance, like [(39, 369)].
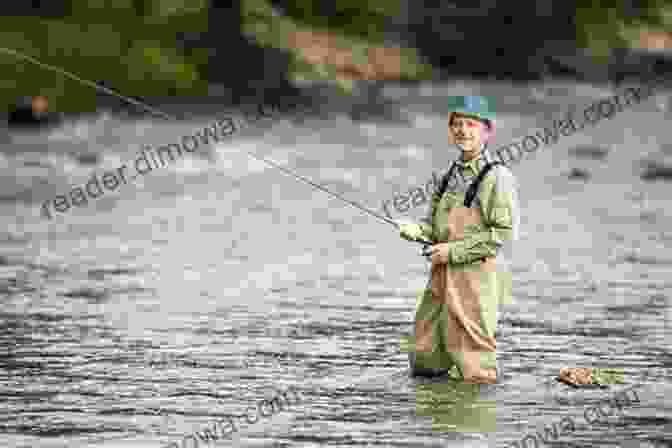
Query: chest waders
[(455, 320)]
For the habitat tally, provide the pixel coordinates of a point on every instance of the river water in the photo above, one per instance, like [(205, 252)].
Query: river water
[(207, 285)]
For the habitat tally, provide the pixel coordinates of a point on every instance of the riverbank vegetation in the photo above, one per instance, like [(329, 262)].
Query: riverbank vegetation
[(149, 48)]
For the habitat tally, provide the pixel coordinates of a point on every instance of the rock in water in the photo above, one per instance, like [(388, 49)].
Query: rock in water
[(657, 169), (578, 173), (589, 152), (590, 377), (576, 376)]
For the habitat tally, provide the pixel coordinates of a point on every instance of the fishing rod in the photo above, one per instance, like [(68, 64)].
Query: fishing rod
[(426, 244), (166, 116)]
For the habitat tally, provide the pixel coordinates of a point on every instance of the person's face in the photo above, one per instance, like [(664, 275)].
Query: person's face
[(468, 133)]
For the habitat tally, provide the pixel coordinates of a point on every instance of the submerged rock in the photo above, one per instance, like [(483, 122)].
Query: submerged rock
[(87, 158), (657, 169), (578, 173), (577, 376), (590, 377), (589, 152)]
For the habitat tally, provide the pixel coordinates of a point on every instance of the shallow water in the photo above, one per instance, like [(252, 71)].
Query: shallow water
[(207, 285)]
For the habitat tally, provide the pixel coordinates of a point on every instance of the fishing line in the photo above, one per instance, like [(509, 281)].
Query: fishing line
[(86, 82), (166, 116)]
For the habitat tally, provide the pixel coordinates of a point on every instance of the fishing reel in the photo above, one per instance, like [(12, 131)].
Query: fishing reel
[(426, 248)]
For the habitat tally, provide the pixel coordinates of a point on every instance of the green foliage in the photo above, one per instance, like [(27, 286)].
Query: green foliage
[(131, 45), (365, 19), (603, 25), (101, 8), (175, 8), (598, 28), (149, 62), (351, 25), (260, 23), (102, 40)]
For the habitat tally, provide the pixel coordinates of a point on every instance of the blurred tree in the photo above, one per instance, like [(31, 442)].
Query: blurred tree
[(334, 41), (130, 45), (365, 19), (490, 38), (235, 59), (606, 25), (139, 47)]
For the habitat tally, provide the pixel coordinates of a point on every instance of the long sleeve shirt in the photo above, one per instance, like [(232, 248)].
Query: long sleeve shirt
[(497, 200)]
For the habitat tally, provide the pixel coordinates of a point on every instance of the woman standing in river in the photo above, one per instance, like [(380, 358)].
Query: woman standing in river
[(472, 221)]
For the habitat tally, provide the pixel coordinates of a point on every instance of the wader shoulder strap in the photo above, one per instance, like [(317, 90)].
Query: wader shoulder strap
[(473, 188), (446, 177)]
